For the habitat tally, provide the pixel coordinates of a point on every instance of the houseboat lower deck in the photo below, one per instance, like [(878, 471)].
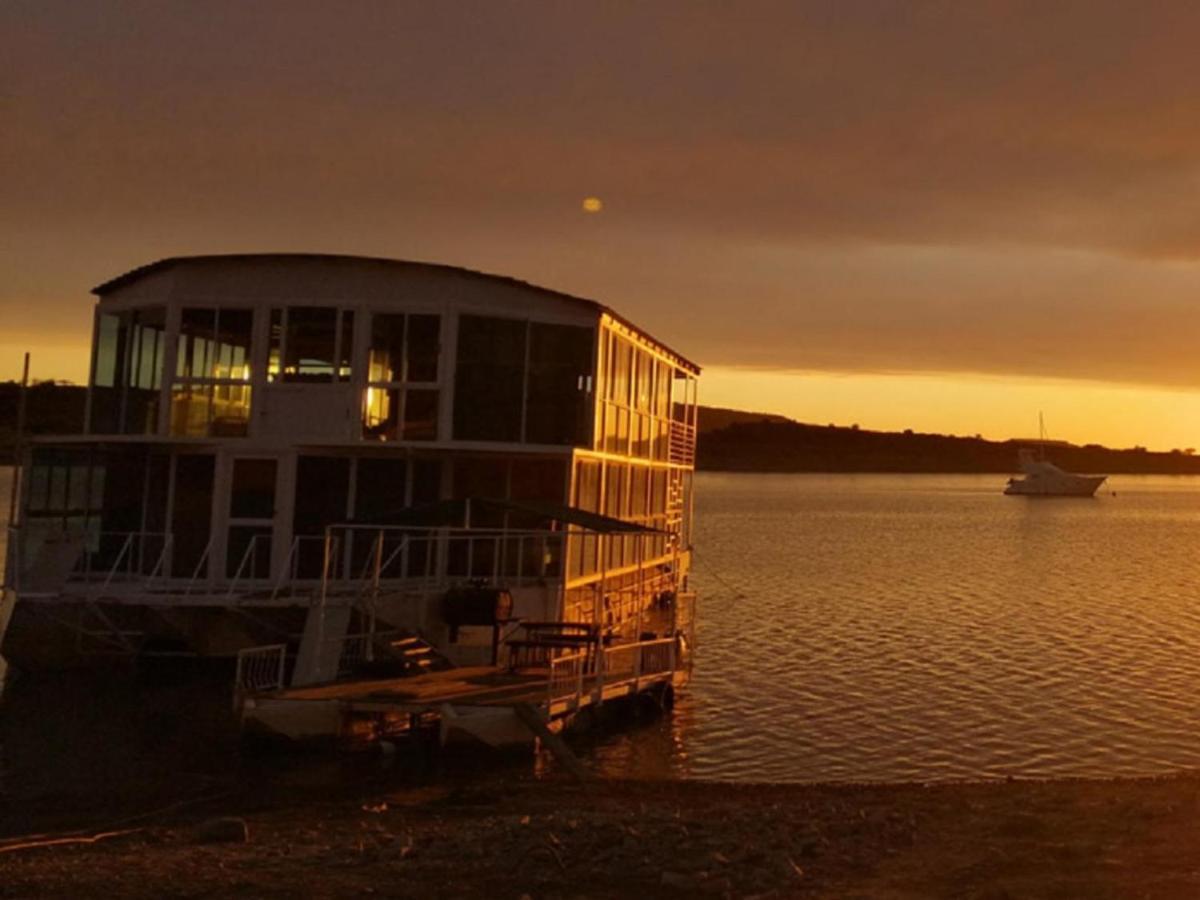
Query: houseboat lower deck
[(499, 705)]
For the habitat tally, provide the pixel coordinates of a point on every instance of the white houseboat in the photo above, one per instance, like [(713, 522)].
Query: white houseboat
[(313, 451)]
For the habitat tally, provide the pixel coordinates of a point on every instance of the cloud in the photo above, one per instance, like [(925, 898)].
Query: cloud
[(996, 187)]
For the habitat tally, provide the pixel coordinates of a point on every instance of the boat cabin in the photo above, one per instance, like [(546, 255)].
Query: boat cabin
[(272, 431)]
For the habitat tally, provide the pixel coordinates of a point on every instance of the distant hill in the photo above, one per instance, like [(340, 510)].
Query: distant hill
[(714, 418), (50, 409), (757, 445)]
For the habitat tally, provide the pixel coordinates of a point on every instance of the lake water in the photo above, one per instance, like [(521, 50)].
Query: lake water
[(897, 628), (882, 627)]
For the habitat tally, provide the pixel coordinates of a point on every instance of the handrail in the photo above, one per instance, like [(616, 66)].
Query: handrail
[(259, 669), (117, 564), (652, 658), (200, 566), (250, 553), (566, 675)]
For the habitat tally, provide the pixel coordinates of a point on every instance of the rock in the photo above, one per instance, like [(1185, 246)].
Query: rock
[(225, 830)]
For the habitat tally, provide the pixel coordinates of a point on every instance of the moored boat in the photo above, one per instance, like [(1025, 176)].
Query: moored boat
[(1044, 479)]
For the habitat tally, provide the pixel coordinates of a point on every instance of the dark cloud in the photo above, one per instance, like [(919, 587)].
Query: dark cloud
[(997, 187)]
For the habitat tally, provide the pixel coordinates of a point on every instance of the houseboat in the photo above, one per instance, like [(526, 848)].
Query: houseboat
[(309, 452)]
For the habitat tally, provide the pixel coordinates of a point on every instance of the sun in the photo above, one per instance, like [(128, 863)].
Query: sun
[(592, 204)]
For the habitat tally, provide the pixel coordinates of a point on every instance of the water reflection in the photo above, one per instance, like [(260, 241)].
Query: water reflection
[(927, 627)]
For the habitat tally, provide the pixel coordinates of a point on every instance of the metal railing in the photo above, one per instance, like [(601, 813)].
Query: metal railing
[(261, 669), (682, 443), (567, 675), (572, 676)]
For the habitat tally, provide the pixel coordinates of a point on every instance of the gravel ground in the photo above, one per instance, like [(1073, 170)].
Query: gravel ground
[(509, 837)]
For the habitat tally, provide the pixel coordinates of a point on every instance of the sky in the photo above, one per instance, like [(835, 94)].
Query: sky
[(946, 216)]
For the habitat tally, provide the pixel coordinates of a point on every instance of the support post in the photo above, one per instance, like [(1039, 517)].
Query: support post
[(322, 601)]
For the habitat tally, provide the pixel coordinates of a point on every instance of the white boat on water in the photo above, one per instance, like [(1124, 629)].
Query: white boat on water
[(1044, 479)]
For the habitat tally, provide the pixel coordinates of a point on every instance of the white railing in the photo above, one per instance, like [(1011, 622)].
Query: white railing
[(261, 669), (110, 556), (570, 677), (682, 443), (567, 675)]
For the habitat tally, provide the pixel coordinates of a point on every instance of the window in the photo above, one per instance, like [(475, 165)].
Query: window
[(211, 391), (489, 379), (559, 384), (401, 401), (311, 345), (640, 395), (127, 371), (522, 381)]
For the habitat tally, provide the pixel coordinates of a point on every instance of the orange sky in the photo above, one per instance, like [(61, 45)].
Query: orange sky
[(936, 215)]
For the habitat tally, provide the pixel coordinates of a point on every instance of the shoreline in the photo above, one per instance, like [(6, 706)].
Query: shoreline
[(495, 835)]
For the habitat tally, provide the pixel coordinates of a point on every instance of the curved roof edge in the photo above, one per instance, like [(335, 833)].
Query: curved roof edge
[(159, 265)]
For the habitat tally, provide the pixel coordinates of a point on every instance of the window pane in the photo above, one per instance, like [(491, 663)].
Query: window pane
[(489, 379), (381, 414), (346, 345), (275, 346), (420, 415), (314, 510), (107, 370), (423, 347), (380, 488), (309, 344), (197, 331), (108, 343), (386, 356), (231, 410), (191, 514), (427, 481), (190, 409), (560, 360), (149, 333), (234, 341), (144, 340), (253, 492)]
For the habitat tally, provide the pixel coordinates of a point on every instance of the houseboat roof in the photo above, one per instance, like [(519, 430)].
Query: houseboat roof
[(281, 259)]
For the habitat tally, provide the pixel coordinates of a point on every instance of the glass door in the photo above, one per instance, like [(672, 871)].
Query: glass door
[(251, 523)]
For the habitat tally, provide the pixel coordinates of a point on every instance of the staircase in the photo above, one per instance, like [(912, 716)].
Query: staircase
[(330, 649)]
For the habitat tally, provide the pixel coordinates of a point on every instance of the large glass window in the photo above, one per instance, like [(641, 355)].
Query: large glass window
[(640, 396), (522, 381), (127, 371), (211, 391), (402, 378), (489, 379), (311, 344), (559, 384)]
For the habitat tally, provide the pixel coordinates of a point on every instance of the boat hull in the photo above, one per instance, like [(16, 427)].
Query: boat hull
[(1073, 486)]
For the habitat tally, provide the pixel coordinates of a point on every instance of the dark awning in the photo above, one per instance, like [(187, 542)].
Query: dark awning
[(462, 513)]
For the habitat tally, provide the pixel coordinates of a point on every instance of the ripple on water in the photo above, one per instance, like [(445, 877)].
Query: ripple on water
[(927, 627)]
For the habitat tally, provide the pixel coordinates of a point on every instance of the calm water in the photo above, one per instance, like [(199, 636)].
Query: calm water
[(927, 627), (892, 628)]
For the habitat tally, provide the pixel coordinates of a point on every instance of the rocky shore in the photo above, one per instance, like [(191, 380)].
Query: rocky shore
[(517, 837)]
